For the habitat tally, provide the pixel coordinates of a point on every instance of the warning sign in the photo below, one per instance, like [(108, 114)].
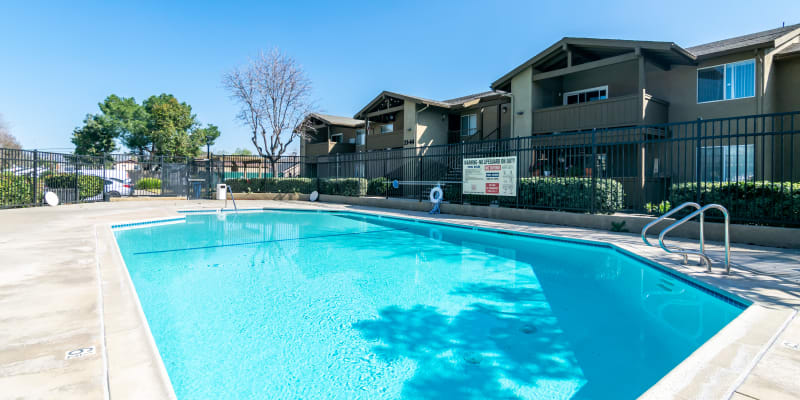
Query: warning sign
[(493, 176)]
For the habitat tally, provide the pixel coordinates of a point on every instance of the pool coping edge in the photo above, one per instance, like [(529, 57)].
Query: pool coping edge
[(118, 266)]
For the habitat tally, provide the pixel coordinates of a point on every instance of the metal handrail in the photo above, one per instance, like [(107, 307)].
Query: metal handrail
[(232, 198), (661, 218), (701, 253)]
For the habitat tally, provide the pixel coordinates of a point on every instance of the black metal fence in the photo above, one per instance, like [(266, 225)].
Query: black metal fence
[(750, 164), (25, 176)]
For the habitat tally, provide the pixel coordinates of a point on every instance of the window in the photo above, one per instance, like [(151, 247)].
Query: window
[(726, 82), (361, 136), (469, 124), (387, 128), (337, 137), (727, 163), (586, 95)]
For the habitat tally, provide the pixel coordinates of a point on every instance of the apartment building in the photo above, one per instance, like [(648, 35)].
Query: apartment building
[(581, 83), (578, 85)]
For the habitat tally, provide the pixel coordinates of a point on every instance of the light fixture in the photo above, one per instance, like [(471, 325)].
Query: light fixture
[(505, 109)]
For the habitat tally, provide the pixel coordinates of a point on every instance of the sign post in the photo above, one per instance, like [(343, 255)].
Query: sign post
[(494, 176)]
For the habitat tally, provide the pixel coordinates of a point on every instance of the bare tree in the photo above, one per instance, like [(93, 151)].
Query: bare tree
[(275, 97), (7, 140)]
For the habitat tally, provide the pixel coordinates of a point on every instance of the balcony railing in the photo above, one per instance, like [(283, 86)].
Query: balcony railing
[(385, 141), (613, 112), (325, 148)]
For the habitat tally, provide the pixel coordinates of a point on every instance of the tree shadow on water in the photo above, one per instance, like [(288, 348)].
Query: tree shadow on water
[(504, 344)]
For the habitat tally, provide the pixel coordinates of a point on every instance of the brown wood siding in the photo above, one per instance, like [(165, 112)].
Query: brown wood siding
[(616, 111)]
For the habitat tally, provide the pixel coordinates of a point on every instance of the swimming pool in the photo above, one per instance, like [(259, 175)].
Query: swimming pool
[(291, 304)]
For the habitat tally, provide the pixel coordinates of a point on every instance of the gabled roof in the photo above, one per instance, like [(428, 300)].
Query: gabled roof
[(669, 51), (741, 43), (468, 98), (448, 104), (790, 50), (401, 96), (338, 120)]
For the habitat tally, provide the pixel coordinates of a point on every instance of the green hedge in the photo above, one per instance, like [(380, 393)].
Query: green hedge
[(343, 186), (148, 184), (272, 185), (377, 187), (568, 194), (88, 186), (15, 190), (573, 194), (751, 200)]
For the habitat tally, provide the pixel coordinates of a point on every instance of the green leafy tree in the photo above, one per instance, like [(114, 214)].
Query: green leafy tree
[(169, 124), (161, 125), (207, 136), (95, 137), (242, 152)]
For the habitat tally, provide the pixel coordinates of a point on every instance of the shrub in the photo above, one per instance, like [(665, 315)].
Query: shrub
[(272, 185), (745, 200), (659, 208), (88, 186), (343, 186), (15, 190), (571, 194), (377, 187), (148, 184)]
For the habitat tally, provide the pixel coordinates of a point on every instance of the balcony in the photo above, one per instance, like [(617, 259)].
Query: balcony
[(616, 111), (385, 141), (325, 148)]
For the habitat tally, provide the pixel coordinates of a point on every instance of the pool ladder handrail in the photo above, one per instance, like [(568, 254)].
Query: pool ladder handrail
[(702, 253), (232, 198), (677, 250), (661, 218)]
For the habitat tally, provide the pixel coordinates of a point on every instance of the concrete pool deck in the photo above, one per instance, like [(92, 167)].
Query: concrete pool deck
[(63, 288)]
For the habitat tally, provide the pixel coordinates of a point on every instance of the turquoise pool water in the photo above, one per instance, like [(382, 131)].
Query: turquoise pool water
[(313, 305)]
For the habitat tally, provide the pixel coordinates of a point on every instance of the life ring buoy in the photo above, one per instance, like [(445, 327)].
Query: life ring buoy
[(436, 195)]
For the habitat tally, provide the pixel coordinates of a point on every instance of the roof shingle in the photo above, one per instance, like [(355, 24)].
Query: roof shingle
[(741, 42)]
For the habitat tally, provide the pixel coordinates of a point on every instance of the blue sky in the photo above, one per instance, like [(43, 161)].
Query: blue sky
[(58, 60)]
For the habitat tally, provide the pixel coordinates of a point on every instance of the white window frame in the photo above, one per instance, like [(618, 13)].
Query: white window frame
[(474, 129), (564, 99), (725, 80), (337, 134), (388, 131)]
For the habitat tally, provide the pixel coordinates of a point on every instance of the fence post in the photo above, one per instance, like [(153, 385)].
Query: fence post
[(420, 191), (518, 166), (163, 176), (208, 182), (35, 176), (188, 172), (592, 205), (104, 176), (77, 187), (697, 136)]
